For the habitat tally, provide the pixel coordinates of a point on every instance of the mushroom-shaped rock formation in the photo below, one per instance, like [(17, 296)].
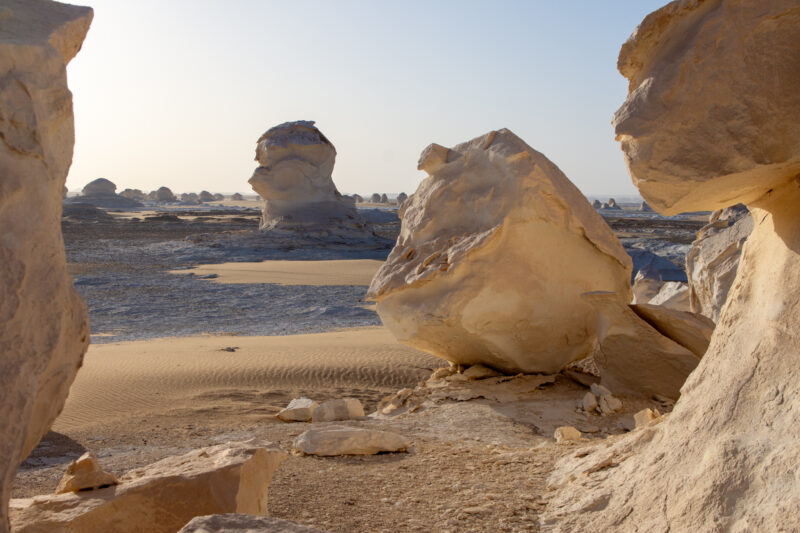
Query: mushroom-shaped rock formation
[(189, 198), (164, 194), (44, 327), (205, 196), (402, 197), (500, 287), (712, 261), (713, 118), (218, 197), (612, 204), (375, 198), (99, 187), (384, 199), (294, 180)]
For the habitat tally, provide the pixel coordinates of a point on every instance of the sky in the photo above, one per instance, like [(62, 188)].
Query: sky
[(176, 92)]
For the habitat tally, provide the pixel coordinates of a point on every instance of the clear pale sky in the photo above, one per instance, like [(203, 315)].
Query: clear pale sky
[(176, 93)]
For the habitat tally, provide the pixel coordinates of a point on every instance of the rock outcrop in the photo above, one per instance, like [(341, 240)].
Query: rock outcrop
[(102, 193), (375, 198), (344, 440), (712, 261), (294, 180), (134, 194), (244, 523), (502, 286), (402, 197), (44, 327), (650, 273), (339, 409), (205, 196), (85, 474), (298, 410), (163, 195), (597, 204), (161, 497), (673, 295), (237, 197), (713, 118)]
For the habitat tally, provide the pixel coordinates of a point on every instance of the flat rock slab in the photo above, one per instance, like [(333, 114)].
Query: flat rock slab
[(344, 440), (690, 330), (244, 523)]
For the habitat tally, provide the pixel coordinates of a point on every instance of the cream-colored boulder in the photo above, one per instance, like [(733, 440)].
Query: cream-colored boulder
[(566, 433), (690, 330), (673, 295), (161, 497), (244, 523), (298, 410), (44, 327), (632, 356), (676, 103), (99, 187), (714, 120), (500, 286), (339, 409), (85, 474), (712, 261), (344, 440), (294, 180)]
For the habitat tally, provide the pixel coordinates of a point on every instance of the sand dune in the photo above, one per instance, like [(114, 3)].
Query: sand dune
[(145, 379), (335, 272)]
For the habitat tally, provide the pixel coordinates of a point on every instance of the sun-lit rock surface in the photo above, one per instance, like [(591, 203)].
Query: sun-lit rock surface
[(294, 180), (44, 328), (500, 286), (85, 473), (344, 440), (712, 261), (713, 119), (163, 496), (691, 330)]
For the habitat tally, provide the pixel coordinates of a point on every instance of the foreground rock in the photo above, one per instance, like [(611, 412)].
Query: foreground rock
[(85, 474), (244, 523), (161, 497), (633, 357), (340, 409), (294, 180), (44, 326), (725, 459), (712, 261), (500, 287), (344, 440), (299, 410)]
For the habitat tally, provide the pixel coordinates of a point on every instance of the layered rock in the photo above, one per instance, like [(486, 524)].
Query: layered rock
[(500, 287), (44, 328), (294, 180), (344, 440), (713, 118), (712, 261), (163, 496)]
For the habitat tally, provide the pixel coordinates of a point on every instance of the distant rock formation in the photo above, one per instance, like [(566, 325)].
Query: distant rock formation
[(375, 198), (645, 208), (596, 204), (163, 194), (384, 199), (501, 287), (294, 180), (102, 193), (612, 204), (205, 196), (726, 457), (190, 198), (44, 326), (713, 260), (218, 197), (237, 197), (357, 198), (402, 197), (650, 272), (134, 194)]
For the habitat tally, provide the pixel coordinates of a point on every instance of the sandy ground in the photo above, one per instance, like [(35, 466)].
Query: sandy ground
[(315, 273)]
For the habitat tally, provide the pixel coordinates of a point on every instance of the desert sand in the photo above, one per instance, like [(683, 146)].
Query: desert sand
[(315, 273)]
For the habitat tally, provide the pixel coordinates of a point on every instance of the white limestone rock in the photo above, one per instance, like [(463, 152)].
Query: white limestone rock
[(673, 295), (99, 187), (713, 118), (298, 410), (480, 372), (344, 440), (244, 523), (713, 259), (44, 327), (102, 193), (690, 330), (161, 497), (85, 474), (339, 409), (500, 287), (294, 180)]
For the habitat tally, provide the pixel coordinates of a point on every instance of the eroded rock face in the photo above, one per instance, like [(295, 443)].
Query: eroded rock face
[(163, 496), (712, 120), (501, 286), (44, 327), (294, 179), (712, 261)]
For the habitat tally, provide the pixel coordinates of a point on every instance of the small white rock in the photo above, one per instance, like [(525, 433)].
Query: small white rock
[(341, 409), (298, 410)]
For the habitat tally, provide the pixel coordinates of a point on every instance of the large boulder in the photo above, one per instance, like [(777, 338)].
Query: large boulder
[(205, 196), (99, 187), (496, 247), (713, 118), (294, 180), (163, 194), (44, 327), (161, 497), (713, 259)]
